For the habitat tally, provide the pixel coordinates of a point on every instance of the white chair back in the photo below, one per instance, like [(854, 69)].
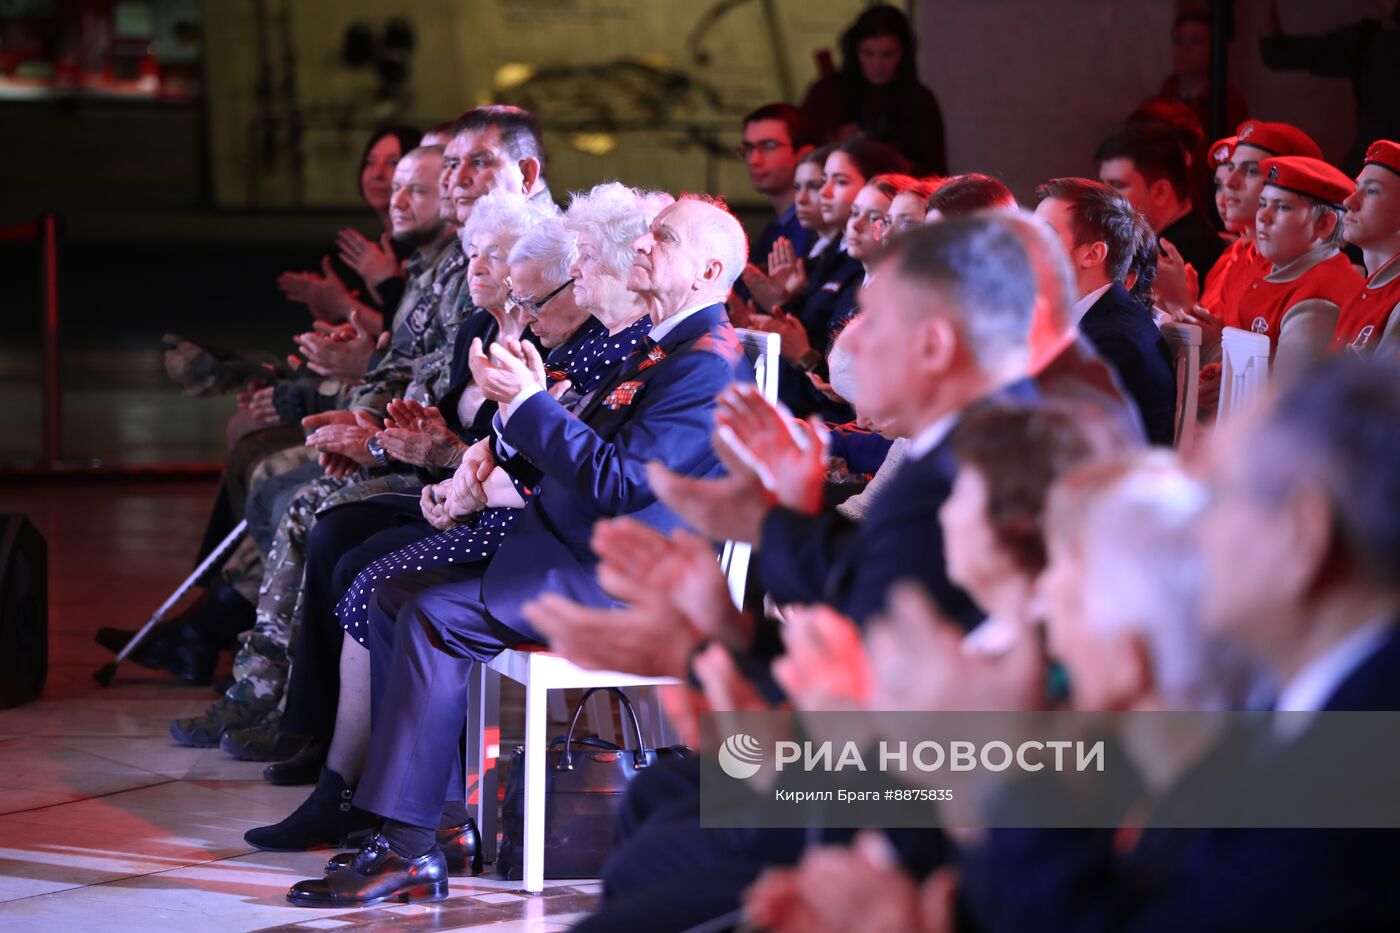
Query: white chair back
[(762, 352), (1185, 343), (1244, 369)]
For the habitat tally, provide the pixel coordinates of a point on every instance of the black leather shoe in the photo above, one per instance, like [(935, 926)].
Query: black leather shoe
[(302, 768), (376, 874), (460, 845), (325, 818)]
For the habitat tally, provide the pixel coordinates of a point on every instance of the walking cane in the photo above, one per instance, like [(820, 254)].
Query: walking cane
[(104, 674)]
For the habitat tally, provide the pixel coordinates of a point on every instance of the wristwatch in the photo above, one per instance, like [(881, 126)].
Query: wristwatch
[(809, 361), (376, 450)]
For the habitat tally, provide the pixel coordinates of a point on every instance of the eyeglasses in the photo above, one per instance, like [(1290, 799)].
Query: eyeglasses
[(532, 306), (767, 147)]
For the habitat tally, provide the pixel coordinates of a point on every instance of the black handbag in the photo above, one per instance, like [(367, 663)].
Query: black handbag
[(585, 780)]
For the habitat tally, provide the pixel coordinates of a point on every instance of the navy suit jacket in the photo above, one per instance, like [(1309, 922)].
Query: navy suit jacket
[(1122, 330), (593, 465), (851, 565), (1205, 880)]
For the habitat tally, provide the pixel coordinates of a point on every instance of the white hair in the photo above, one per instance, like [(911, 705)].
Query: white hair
[(506, 213), (552, 245), (615, 215), (1143, 572), (720, 235)]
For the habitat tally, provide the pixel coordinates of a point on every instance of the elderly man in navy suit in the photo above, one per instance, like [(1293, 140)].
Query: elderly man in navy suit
[(659, 407), (1105, 239)]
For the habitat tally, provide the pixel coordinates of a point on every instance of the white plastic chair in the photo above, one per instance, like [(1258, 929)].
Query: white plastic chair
[(1244, 369), (1185, 343), (539, 672)]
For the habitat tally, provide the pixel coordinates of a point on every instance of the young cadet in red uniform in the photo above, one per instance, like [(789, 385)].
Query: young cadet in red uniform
[(1298, 229), (1241, 265), (1368, 323)]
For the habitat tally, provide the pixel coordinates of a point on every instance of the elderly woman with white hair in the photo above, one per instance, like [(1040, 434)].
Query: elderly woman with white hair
[(352, 537), (522, 262), (607, 220)]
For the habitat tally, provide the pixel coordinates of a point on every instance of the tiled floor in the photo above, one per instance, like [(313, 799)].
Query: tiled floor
[(104, 823)]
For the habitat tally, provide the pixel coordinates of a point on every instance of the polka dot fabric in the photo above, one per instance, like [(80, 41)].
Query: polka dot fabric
[(585, 362)]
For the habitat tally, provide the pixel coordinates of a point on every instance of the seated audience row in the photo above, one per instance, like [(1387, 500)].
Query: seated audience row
[(543, 432)]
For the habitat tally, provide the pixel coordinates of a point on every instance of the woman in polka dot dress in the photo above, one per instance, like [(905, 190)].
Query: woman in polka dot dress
[(606, 221), (591, 362)]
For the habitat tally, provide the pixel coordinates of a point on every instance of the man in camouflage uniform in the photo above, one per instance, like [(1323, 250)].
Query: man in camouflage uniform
[(418, 369)]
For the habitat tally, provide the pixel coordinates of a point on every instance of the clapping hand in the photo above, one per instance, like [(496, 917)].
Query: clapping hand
[(918, 662), (342, 352), (1212, 327), (1177, 286), (512, 367), (788, 455), (641, 566), (786, 270), (825, 667), (347, 440), (321, 419), (375, 262), (257, 401), (791, 332), (325, 295), (418, 434), (838, 888)]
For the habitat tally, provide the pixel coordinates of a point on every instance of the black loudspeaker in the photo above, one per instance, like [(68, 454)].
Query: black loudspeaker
[(24, 611)]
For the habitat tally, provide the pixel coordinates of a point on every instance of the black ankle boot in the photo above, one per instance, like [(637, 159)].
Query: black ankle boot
[(324, 818), (301, 768)]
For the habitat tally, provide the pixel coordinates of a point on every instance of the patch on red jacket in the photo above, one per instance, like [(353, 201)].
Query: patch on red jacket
[(623, 395)]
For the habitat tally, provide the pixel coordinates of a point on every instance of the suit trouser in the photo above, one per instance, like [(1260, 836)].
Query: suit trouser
[(427, 630), (343, 542)]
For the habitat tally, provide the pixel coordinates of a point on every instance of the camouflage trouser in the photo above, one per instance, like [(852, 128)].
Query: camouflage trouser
[(261, 665), (245, 566)]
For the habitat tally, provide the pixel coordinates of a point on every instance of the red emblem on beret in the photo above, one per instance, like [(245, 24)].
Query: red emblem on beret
[(1279, 139), (1312, 178)]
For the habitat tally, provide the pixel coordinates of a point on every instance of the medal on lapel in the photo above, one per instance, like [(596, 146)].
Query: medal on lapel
[(655, 355), (622, 395)]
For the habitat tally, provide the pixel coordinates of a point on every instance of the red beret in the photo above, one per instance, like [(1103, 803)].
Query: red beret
[(1311, 177), (1277, 139), (1220, 151), (1384, 153)]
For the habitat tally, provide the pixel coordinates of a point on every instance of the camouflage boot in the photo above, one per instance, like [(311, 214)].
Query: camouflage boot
[(263, 741), (206, 730)]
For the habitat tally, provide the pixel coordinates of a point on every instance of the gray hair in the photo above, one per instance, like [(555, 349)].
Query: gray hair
[(1143, 572), (983, 270), (1338, 430), (506, 213), (720, 235), (615, 215), (1054, 278), (552, 245)]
